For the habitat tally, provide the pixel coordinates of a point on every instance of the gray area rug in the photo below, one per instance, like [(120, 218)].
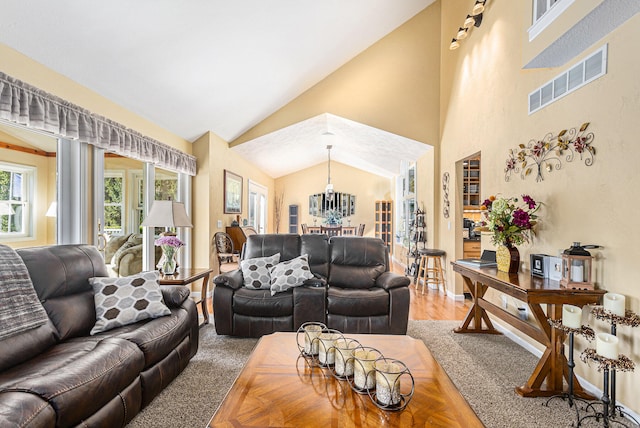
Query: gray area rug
[(485, 368)]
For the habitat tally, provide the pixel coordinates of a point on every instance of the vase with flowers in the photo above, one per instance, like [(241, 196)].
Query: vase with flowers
[(170, 245), (511, 222), (333, 217)]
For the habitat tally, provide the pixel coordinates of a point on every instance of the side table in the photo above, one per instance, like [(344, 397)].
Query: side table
[(185, 276)]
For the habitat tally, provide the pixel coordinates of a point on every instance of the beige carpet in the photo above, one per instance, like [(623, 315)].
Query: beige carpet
[(485, 368)]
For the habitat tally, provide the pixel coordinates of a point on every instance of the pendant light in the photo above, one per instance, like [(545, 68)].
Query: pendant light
[(328, 191)]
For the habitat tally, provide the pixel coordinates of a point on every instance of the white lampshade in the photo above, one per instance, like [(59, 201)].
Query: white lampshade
[(167, 214)]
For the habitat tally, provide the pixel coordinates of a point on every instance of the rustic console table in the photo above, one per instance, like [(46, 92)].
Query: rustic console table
[(535, 292)]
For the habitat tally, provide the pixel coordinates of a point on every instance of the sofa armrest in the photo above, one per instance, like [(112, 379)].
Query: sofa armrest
[(316, 281), (389, 280), (233, 279), (174, 295)]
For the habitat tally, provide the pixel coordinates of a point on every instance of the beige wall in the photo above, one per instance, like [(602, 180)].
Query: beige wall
[(487, 112), (214, 156), (393, 85), (367, 188)]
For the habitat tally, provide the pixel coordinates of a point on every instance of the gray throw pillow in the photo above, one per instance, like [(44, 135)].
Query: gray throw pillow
[(256, 271), (291, 273), (127, 300)]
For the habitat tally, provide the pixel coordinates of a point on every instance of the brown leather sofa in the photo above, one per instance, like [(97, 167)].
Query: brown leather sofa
[(353, 290), (57, 375)]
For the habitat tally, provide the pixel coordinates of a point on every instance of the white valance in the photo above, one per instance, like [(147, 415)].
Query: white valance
[(24, 104)]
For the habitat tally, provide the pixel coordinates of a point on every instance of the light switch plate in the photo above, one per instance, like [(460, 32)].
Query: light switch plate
[(219, 224)]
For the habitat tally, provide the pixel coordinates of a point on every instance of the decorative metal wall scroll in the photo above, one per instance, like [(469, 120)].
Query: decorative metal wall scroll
[(543, 155), (445, 195)]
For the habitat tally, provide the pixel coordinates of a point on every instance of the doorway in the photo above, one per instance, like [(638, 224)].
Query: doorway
[(471, 203), (258, 207)]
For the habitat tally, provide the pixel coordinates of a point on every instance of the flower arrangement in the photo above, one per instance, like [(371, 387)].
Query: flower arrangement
[(171, 241), (333, 217), (509, 222), (169, 245)]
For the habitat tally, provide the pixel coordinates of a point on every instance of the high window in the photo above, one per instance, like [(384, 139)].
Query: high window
[(16, 196), (544, 13), (406, 208)]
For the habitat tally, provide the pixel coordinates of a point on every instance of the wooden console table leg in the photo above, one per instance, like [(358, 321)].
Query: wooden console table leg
[(476, 312)]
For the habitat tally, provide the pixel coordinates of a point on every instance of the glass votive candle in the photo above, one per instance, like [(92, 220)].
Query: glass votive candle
[(344, 347), (326, 349), (388, 373), (311, 332), (363, 370)]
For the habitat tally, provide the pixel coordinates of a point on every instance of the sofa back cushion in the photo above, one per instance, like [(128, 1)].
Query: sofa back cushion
[(288, 245), (317, 247), (60, 276), (356, 262)]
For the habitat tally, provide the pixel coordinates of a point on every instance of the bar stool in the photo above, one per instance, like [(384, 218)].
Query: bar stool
[(430, 269)]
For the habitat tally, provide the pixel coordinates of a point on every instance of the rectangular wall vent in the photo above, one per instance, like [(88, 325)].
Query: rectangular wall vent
[(586, 71)]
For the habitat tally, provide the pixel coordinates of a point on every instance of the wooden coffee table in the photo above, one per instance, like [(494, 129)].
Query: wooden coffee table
[(277, 388)]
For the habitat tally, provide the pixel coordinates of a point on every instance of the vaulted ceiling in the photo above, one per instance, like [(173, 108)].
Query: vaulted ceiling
[(202, 65)]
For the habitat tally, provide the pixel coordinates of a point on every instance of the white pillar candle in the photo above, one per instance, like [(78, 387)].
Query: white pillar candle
[(326, 350), (614, 303), (572, 316), (607, 345), (311, 333), (388, 383), (577, 274), (343, 361), (362, 367)]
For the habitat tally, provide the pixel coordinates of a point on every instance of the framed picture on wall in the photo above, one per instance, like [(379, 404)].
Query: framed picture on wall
[(232, 193)]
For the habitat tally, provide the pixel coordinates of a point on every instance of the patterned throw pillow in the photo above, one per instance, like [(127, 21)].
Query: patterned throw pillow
[(291, 273), (256, 271), (126, 300)]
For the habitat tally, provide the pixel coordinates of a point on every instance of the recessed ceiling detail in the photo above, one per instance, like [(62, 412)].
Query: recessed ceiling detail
[(304, 144)]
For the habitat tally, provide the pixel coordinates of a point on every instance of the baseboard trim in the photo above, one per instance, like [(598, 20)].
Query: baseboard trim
[(588, 386)]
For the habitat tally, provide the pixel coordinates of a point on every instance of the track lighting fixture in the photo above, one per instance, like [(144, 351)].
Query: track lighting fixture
[(472, 20), (478, 8)]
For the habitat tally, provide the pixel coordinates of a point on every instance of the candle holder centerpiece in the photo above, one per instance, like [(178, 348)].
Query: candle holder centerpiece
[(388, 382)]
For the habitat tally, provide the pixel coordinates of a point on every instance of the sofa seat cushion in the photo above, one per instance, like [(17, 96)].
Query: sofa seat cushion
[(260, 303), (21, 409), (361, 303), (156, 338), (69, 374)]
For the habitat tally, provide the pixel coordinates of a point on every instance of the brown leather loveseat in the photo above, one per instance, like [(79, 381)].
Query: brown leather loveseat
[(58, 375), (352, 290)]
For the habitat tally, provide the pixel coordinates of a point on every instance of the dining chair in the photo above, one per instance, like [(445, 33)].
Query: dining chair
[(361, 230), (227, 257), (305, 229), (331, 230)]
